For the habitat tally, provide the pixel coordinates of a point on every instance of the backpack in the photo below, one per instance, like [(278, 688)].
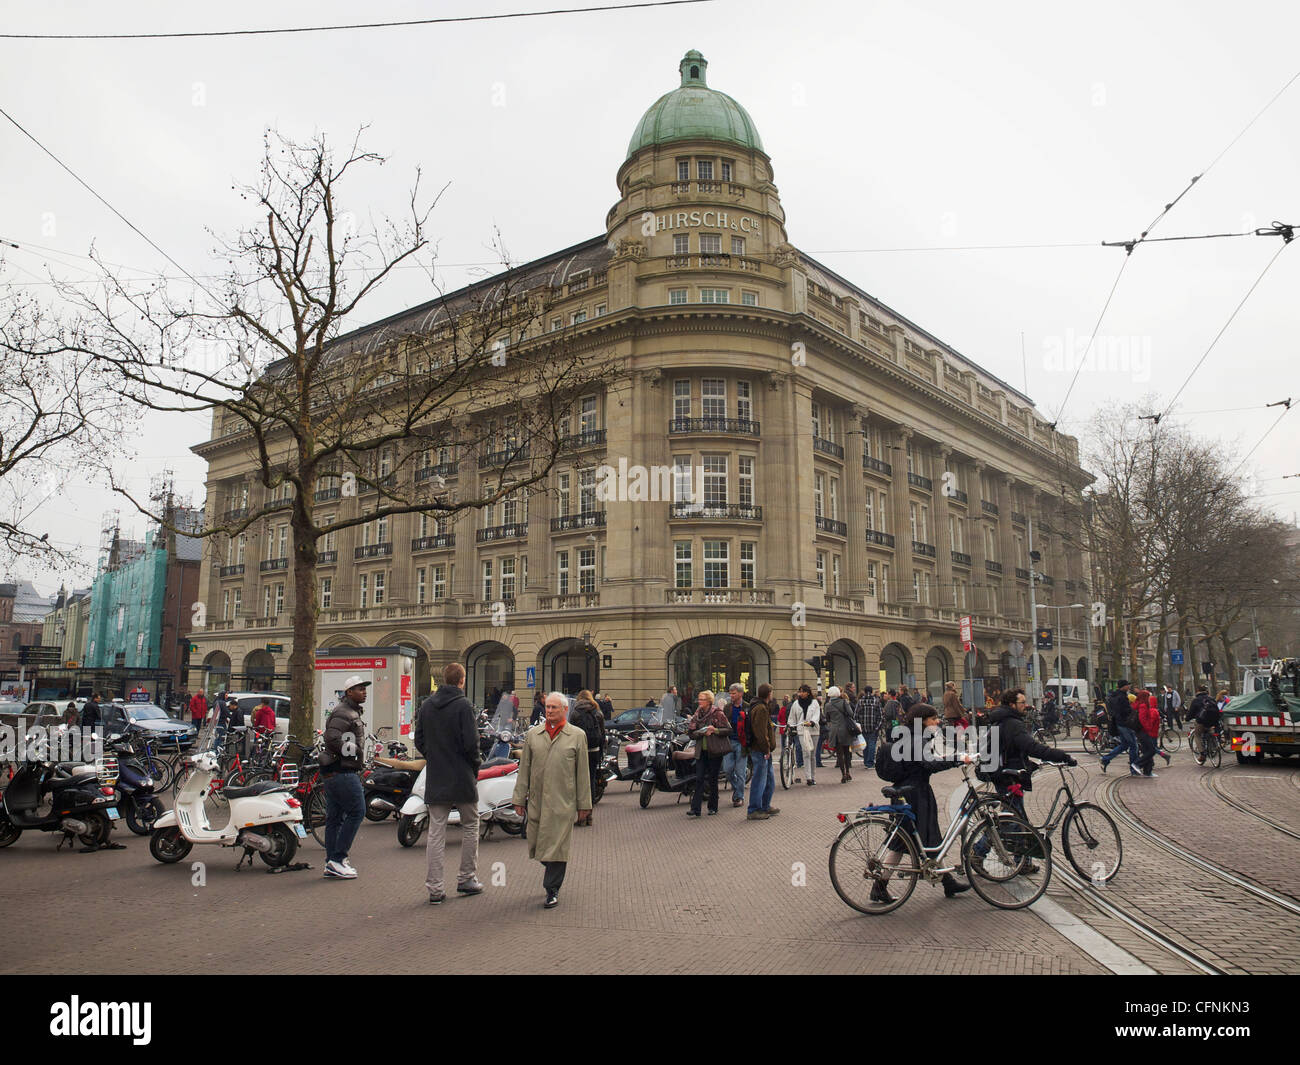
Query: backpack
[(888, 768)]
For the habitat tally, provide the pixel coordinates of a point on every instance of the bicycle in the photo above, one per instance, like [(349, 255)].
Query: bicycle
[(998, 852), (1171, 738), (1087, 831), (1097, 739), (788, 760), (1206, 747)]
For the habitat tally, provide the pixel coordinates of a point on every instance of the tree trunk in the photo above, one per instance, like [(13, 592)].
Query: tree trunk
[(302, 660)]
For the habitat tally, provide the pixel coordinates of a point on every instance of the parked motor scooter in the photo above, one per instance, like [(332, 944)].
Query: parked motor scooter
[(264, 819), (387, 788), (62, 797), (670, 764), (635, 750), (139, 805), (496, 789)]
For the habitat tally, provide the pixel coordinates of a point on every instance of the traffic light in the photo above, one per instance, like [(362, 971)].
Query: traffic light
[(817, 662)]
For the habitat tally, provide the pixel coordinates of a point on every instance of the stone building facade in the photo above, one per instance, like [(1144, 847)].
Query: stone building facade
[(784, 468)]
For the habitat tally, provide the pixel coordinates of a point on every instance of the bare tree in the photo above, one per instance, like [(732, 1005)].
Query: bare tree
[(57, 411), (324, 414)]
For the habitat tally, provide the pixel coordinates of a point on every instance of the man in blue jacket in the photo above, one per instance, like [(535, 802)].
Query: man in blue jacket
[(447, 736)]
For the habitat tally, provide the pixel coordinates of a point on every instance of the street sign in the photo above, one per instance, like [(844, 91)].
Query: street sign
[(967, 640), (1176, 658), (1044, 637), (1263, 653), (531, 677), (606, 661), (275, 648), (194, 648), (39, 655)]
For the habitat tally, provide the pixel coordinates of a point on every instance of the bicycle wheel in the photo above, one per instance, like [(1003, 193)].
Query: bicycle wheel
[(1091, 841), (857, 864), (1213, 751), (1089, 744), (1007, 862), (314, 816), (159, 771), (787, 765), (1171, 739)]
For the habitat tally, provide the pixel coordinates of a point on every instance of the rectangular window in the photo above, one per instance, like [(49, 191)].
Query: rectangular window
[(439, 582), (600, 310), (556, 323), (871, 579), (738, 246), (676, 296), (925, 523), (279, 599), (916, 585), (326, 592), (835, 499), (266, 601), (225, 605), (704, 169), (562, 570), (587, 414), (748, 553), (911, 459), (715, 480), (835, 575), (884, 512), (239, 551), (385, 462), (578, 317), (716, 563), (510, 509), (912, 512), (239, 602), (745, 473), (681, 244), (713, 393), (587, 570), (681, 399), (283, 542), (726, 170), (682, 563), (230, 550), (421, 590), (507, 578), (487, 580), (715, 295), (817, 419), (587, 490), (821, 570), (871, 511), (683, 170), (884, 582), (523, 570), (365, 590), (682, 478), (819, 490), (710, 244), (382, 531), (749, 299), (925, 587), (744, 401), (562, 494)]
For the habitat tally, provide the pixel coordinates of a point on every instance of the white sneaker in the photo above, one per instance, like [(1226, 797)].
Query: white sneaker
[(339, 871), (348, 866)]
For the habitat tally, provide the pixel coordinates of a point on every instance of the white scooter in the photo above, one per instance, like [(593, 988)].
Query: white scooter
[(496, 789), (264, 819)]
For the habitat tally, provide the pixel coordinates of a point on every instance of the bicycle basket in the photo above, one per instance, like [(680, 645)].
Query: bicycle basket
[(289, 774), (106, 769)]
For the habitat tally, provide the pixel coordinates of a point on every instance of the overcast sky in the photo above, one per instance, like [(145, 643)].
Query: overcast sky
[(891, 125)]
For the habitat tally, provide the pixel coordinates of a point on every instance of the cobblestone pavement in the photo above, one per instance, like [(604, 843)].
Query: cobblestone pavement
[(647, 891)]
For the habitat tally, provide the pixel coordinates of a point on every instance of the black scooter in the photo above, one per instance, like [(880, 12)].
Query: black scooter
[(670, 764), (387, 788), (55, 797), (139, 806)]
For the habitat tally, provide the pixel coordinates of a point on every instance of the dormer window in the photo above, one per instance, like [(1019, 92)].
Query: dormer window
[(726, 170)]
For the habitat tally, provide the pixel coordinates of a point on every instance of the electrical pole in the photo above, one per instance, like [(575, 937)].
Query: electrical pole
[(1036, 683)]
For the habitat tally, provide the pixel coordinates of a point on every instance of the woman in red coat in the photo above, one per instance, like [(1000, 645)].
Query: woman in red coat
[(1149, 733)]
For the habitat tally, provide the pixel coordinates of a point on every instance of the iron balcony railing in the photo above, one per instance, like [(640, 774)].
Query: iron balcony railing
[(920, 482), (232, 571), (433, 543), (961, 558), (739, 426), (515, 531), (879, 465), (919, 548), (881, 538), (373, 551), (828, 447), (830, 525), (1022, 574), (989, 508), (503, 458), (326, 558), (992, 567), (442, 469), (268, 564), (717, 511), (324, 495), (586, 438), (589, 520)]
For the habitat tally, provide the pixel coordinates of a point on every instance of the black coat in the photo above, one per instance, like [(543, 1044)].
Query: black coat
[(1016, 744), (90, 716), (1120, 710), (447, 736), (917, 773)]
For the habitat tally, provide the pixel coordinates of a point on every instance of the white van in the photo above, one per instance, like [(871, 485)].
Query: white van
[(1069, 690), (250, 701)]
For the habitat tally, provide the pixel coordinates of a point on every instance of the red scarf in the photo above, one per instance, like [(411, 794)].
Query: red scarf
[(553, 731)]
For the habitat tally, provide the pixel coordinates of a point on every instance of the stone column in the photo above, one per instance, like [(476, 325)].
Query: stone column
[(1007, 549), (943, 547), (979, 576), (855, 502), (901, 517)]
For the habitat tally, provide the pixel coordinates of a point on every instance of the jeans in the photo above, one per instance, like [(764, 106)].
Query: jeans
[(733, 768), (798, 749), (1147, 748), (436, 848), (345, 807), (762, 783), (1127, 742), (706, 781), (869, 755)]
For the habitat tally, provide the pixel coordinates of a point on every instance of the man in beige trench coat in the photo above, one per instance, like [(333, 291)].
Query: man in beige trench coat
[(554, 786)]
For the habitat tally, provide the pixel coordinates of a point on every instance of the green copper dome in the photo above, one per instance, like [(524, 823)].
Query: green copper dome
[(695, 111)]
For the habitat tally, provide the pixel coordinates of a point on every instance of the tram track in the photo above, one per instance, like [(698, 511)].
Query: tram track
[(1212, 781), (1109, 796)]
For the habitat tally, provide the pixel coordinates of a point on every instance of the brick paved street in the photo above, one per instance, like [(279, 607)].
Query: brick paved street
[(651, 891)]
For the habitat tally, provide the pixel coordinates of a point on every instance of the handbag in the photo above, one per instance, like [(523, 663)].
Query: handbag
[(717, 743)]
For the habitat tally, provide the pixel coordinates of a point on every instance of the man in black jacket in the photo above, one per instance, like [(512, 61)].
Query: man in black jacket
[(340, 764), (447, 736), (1122, 722), (1016, 746)]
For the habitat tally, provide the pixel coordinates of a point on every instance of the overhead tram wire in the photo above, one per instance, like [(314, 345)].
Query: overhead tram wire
[(347, 26), (1285, 411)]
